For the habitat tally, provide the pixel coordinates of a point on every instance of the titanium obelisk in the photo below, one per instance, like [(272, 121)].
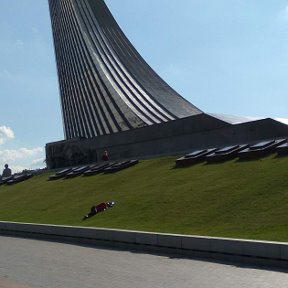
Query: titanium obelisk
[(105, 85)]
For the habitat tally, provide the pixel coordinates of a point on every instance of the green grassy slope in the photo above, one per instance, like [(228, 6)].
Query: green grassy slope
[(232, 199)]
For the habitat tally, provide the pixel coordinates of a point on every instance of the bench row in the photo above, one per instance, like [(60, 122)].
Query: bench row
[(242, 151), (89, 170)]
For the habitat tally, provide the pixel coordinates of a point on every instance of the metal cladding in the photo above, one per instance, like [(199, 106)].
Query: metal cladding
[(105, 85)]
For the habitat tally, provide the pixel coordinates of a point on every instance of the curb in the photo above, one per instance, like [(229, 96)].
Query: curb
[(260, 253)]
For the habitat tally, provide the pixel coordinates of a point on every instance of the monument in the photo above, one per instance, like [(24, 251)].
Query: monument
[(113, 100)]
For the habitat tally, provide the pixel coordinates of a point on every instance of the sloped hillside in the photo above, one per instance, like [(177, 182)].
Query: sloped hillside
[(241, 199)]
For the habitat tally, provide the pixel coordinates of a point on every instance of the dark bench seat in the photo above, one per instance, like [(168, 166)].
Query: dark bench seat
[(4, 180), (194, 157), (282, 150), (98, 168), (19, 178), (60, 174), (260, 149), (120, 166), (76, 172), (226, 153)]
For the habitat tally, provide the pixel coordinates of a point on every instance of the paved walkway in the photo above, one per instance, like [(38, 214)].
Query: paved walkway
[(26, 263)]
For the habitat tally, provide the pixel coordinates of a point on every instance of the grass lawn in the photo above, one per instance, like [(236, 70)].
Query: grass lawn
[(239, 199)]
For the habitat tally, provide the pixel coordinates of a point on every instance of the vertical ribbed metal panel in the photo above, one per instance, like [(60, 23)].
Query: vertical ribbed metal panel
[(105, 85)]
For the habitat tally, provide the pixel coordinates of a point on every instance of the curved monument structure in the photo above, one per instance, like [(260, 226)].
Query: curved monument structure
[(112, 100), (105, 85)]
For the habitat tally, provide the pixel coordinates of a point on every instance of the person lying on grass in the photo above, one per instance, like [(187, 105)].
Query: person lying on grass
[(98, 208)]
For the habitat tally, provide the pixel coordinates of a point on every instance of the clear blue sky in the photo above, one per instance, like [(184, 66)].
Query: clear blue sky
[(224, 56)]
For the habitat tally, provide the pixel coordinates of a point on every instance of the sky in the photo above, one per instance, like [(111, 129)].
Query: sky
[(226, 57)]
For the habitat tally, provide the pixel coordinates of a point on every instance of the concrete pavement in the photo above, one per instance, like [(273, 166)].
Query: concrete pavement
[(4, 283), (34, 264)]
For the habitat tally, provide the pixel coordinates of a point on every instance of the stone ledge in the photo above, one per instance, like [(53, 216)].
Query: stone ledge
[(248, 251)]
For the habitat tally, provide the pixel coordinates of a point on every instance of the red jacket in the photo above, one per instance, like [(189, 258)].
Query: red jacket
[(101, 207)]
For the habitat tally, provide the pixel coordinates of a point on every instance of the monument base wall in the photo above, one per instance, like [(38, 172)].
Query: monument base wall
[(171, 138)]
